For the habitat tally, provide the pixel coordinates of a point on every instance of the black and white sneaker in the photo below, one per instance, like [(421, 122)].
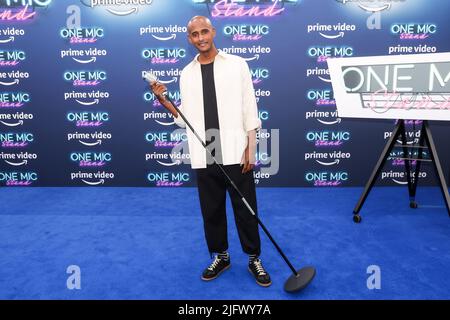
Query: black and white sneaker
[(257, 270), (218, 266)]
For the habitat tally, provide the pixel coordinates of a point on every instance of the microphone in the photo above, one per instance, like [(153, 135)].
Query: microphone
[(151, 78)]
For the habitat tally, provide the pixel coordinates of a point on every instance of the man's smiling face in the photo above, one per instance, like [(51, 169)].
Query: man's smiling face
[(201, 34)]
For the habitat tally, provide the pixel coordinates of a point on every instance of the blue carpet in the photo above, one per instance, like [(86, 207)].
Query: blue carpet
[(148, 243)]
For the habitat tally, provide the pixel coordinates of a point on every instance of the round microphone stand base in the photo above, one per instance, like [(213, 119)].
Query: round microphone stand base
[(301, 280)]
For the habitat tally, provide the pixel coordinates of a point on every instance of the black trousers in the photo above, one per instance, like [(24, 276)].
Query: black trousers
[(212, 186)]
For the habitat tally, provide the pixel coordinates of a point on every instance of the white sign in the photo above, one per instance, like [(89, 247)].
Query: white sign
[(412, 87)]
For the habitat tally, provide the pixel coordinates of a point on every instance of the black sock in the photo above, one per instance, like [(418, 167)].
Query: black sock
[(224, 255)]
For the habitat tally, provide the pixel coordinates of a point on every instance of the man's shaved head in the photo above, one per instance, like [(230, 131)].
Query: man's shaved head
[(202, 19), (201, 34)]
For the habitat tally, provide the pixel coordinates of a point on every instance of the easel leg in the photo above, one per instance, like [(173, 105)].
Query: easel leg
[(412, 197), (376, 171), (406, 157), (437, 164)]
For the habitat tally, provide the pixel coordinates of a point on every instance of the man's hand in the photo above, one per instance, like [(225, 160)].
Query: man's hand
[(248, 158), (246, 165), (158, 89)]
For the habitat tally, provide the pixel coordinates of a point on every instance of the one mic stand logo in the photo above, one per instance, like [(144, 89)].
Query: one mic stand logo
[(21, 10), (18, 178), (82, 35), (420, 90), (413, 31), (246, 32), (91, 159), (85, 78), (11, 58), (245, 8)]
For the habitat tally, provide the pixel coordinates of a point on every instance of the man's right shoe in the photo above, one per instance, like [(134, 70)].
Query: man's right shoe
[(262, 277), (218, 266)]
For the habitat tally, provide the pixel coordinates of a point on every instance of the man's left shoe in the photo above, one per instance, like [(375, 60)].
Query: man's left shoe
[(257, 270)]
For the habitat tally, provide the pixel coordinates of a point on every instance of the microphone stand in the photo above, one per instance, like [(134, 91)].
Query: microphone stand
[(299, 278)]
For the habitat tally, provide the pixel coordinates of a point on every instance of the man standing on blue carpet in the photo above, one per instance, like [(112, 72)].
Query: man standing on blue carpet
[(219, 101)]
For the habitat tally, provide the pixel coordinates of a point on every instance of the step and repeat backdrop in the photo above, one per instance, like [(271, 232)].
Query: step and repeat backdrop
[(74, 110)]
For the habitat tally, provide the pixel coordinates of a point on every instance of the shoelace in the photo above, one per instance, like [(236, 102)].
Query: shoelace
[(214, 264), (259, 268)]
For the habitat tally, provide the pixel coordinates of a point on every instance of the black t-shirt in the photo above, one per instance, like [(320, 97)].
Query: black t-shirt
[(210, 108)]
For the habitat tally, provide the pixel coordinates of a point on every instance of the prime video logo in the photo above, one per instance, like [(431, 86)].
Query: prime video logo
[(372, 5), (118, 7)]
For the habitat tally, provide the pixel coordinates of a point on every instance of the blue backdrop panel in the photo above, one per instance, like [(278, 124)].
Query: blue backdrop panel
[(74, 110)]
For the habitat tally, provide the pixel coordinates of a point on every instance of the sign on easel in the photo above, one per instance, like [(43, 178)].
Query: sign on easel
[(405, 87), (413, 87)]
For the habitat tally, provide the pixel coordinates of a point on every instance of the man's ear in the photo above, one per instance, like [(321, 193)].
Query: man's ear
[(189, 38), (214, 32)]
